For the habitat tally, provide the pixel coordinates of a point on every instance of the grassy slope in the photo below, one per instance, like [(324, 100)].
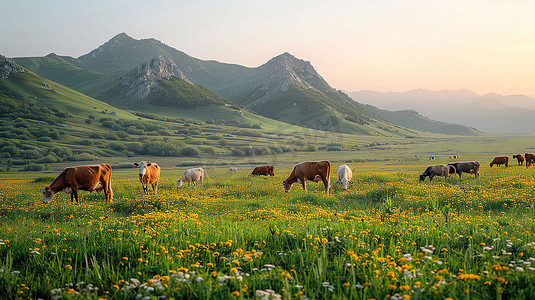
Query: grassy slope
[(57, 96)]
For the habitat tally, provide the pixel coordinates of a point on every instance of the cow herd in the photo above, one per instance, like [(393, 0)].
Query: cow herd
[(98, 177), (472, 167)]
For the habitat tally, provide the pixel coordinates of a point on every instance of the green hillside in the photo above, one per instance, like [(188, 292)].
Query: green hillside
[(411, 119), (44, 124), (146, 74)]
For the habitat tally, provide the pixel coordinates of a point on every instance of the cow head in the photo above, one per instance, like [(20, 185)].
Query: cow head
[(422, 178), (47, 195), (287, 186), (142, 168), (178, 183)]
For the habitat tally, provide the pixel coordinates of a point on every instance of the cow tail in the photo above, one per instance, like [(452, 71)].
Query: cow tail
[(328, 177)]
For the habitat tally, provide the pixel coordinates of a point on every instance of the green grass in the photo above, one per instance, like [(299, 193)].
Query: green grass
[(387, 235)]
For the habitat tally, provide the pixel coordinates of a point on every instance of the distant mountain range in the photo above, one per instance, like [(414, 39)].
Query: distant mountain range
[(148, 75), (490, 112)]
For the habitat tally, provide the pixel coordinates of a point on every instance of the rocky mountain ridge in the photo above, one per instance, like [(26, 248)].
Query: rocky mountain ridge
[(7, 66), (145, 77)]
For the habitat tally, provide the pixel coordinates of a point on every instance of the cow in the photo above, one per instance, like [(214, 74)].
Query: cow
[(264, 170), (500, 160), (344, 176), (437, 170), (86, 178), (471, 167), (431, 157), (309, 170), (530, 159), (149, 173), (191, 175), (520, 158), (233, 169)]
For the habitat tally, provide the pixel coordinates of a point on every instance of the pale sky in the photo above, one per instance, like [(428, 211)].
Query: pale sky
[(382, 45)]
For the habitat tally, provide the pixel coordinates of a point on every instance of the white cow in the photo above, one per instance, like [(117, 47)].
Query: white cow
[(233, 169), (191, 175), (344, 176)]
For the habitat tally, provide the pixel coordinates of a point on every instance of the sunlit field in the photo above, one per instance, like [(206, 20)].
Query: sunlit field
[(243, 237)]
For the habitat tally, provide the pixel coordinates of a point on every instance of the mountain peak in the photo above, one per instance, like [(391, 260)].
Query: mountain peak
[(121, 37), (289, 64)]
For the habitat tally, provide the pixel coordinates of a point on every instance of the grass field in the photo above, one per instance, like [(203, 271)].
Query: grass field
[(241, 237)]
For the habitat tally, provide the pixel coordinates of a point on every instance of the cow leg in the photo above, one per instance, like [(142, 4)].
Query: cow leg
[(327, 184), (155, 186), (303, 183), (145, 190), (431, 177), (202, 181), (75, 194), (108, 192)]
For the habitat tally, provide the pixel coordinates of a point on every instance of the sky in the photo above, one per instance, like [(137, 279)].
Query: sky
[(381, 45)]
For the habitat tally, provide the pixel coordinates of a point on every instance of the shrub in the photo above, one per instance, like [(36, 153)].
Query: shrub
[(45, 139), (61, 152), (85, 142), (44, 179), (311, 148), (48, 159), (117, 146), (190, 151), (96, 135), (261, 151), (34, 167), (10, 150), (237, 152), (82, 156), (111, 136), (30, 154)]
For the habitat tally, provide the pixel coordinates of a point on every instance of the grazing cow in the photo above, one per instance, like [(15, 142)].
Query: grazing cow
[(500, 160), (344, 176), (520, 158), (437, 170), (530, 159), (86, 178), (264, 170), (233, 170), (431, 157), (309, 170), (149, 173), (471, 167), (191, 175)]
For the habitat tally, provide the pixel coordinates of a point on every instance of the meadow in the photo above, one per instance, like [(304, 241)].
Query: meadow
[(389, 236)]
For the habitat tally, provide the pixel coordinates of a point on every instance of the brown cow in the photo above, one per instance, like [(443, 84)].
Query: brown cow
[(519, 158), (149, 173), (310, 170), (86, 178), (500, 160), (264, 170), (530, 159)]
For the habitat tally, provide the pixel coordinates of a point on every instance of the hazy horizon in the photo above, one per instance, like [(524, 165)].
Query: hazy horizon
[(392, 46)]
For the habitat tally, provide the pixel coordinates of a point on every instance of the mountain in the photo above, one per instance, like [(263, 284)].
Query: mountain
[(146, 74), (490, 112)]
